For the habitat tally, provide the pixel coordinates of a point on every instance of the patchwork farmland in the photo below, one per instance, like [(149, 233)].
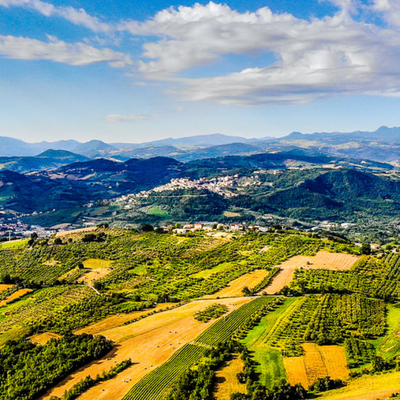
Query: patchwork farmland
[(299, 311)]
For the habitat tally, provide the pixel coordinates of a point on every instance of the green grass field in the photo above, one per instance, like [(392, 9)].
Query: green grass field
[(158, 212), (15, 244), (208, 272), (256, 336), (270, 368), (389, 345)]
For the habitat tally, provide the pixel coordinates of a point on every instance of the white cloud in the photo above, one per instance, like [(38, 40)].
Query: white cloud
[(199, 35), (77, 17), (390, 9), (316, 58), (56, 50), (128, 118)]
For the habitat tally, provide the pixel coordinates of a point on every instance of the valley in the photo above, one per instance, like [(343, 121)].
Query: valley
[(247, 276)]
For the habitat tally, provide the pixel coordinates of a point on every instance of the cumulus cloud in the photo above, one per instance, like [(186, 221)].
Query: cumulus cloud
[(128, 118), (315, 58), (77, 17), (200, 35), (339, 54), (59, 51)]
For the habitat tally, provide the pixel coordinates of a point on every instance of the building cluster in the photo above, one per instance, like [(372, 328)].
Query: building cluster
[(327, 225), (221, 185), (225, 186), (16, 228), (214, 227)]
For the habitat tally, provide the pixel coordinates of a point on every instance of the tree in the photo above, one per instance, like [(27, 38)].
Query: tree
[(366, 248), (147, 228), (246, 291)]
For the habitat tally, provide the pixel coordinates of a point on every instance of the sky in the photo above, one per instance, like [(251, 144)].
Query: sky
[(123, 71)]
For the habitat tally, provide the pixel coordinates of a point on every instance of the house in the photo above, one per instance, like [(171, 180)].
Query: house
[(236, 227), (181, 230)]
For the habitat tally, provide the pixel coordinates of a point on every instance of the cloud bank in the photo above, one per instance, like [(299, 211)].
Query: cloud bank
[(346, 53)]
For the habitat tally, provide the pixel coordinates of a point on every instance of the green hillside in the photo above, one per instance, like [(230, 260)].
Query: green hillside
[(122, 284)]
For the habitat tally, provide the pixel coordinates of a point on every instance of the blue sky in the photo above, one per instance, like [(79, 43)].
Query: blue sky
[(133, 72)]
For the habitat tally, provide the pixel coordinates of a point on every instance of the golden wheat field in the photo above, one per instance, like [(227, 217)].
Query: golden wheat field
[(295, 370), (88, 278), (43, 338), (75, 232), (149, 342), (234, 289), (4, 287), (117, 320), (227, 382), (322, 260), (317, 362), (367, 387), (14, 296), (279, 281)]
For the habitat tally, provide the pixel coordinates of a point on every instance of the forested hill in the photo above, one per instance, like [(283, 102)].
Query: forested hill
[(337, 195), (296, 185)]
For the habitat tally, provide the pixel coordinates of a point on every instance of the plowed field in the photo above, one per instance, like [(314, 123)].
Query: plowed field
[(148, 342)]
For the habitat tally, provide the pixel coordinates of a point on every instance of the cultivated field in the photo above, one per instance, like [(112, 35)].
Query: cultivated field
[(389, 345), (205, 274), (4, 287), (367, 387), (261, 333), (322, 260), (75, 232), (95, 263), (317, 362), (98, 269), (269, 359), (43, 338), (148, 342), (227, 382), (41, 306), (296, 371), (280, 280), (234, 289), (13, 244), (14, 296), (115, 321)]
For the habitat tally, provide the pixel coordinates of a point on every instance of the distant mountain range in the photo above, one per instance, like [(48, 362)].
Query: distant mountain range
[(293, 191), (49, 159), (382, 145), (338, 177)]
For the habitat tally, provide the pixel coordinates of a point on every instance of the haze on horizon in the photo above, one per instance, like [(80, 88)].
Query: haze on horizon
[(134, 73)]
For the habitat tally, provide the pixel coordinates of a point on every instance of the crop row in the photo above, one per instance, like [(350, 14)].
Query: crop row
[(291, 329), (328, 319), (358, 351), (371, 276), (223, 329), (155, 385)]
